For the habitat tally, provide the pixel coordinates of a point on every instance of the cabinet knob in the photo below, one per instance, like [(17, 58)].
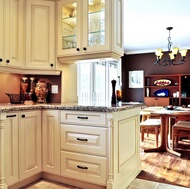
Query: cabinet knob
[(77, 49), (23, 116), (51, 64), (7, 61), (84, 48), (1, 60)]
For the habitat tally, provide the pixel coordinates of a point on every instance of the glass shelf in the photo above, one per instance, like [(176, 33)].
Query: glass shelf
[(69, 42)]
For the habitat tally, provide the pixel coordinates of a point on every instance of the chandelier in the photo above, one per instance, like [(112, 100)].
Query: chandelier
[(172, 54)]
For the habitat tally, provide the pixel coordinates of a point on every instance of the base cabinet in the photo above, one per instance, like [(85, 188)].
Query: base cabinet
[(51, 141), (153, 101), (29, 143), (11, 148)]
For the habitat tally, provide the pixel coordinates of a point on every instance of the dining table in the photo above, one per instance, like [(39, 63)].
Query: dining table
[(165, 116)]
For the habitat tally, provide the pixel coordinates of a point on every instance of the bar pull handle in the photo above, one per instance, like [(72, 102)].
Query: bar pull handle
[(81, 117), (81, 167), (14, 115), (82, 139)]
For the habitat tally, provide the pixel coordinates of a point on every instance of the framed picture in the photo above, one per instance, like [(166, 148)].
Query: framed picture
[(136, 79)]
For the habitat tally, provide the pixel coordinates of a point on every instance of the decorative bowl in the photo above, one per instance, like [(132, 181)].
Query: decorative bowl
[(14, 98), (162, 93)]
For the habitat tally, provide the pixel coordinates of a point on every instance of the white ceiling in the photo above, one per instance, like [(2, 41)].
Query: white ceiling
[(145, 23)]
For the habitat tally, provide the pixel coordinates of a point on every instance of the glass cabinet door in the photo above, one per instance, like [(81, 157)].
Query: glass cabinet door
[(96, 22), (69, 26)]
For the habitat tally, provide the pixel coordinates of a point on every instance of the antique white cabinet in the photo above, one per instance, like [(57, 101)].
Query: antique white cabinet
[(12, 33), (29, 143), (40, 34), (89, 29), (100, 148), (51, 141), (11, 148)]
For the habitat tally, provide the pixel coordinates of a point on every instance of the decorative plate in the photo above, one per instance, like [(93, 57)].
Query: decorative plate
[(162, 93), (162, 82)]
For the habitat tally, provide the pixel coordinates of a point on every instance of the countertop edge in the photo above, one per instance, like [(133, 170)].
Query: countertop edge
[(5, 108)]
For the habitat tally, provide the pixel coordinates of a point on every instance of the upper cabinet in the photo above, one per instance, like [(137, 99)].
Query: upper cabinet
[(89, 29), (40, 34), (12, 33)]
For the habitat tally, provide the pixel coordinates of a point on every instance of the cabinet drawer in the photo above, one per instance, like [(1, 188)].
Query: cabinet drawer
[(84, 167), (84, 139), (83, 118)]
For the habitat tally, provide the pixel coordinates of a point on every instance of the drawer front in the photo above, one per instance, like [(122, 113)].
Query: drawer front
[(84, 139), (83, 118), (84, 167)]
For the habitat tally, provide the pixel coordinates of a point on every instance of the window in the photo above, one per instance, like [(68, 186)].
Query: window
[(94, 81)]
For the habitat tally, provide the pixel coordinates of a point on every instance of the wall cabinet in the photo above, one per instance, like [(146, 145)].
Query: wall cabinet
[(29, 143), (162, 90), (51, 141), (12, 33), (40, 34), (89, 29), (11, 148)]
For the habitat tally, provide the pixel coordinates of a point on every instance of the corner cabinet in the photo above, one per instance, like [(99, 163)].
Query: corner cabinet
[(12, 43), (40, 34), (89, 29), (162, 90)]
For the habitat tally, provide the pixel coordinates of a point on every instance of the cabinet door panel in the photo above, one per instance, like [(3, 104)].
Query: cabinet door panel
[(30, 143), (11, 148), (51, 141), (40, 32)]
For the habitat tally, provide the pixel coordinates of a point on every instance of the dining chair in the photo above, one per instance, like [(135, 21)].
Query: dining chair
[(150, 126), (181, 129)]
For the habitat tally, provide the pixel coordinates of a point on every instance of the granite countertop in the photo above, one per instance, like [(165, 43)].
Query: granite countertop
[(7, 107)]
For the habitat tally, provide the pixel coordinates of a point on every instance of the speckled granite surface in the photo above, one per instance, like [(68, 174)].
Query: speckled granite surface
[(68, 106)]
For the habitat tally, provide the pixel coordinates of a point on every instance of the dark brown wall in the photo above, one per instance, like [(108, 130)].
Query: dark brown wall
[(10, 83), (146, 62)]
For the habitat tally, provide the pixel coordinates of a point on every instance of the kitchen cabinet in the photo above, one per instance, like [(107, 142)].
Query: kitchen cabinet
[(11, 148), (83, 147), (100, 148), (89, 29), (159, 89), (51, 141), (40, 34), (29, 143), (11, 33)]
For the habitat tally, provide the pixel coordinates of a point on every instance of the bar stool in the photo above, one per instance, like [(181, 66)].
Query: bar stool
[(150, 126)]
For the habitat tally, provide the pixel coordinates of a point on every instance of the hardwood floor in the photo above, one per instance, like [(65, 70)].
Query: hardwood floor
[(165, 167)]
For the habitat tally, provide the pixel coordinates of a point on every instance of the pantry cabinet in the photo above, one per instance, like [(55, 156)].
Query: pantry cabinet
[(89, 29), (29, 143), (40, 35), (11, 148), (51, 141), (12, 33)]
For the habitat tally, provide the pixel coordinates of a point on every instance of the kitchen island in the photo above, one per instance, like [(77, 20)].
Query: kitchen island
[(87, 146)]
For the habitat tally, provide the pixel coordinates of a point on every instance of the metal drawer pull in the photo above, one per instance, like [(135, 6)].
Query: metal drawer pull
[(82, 139), (81, 167), (80, 117), (11, 115)]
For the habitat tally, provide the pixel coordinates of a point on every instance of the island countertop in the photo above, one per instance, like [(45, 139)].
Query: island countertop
[(7, 107)]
